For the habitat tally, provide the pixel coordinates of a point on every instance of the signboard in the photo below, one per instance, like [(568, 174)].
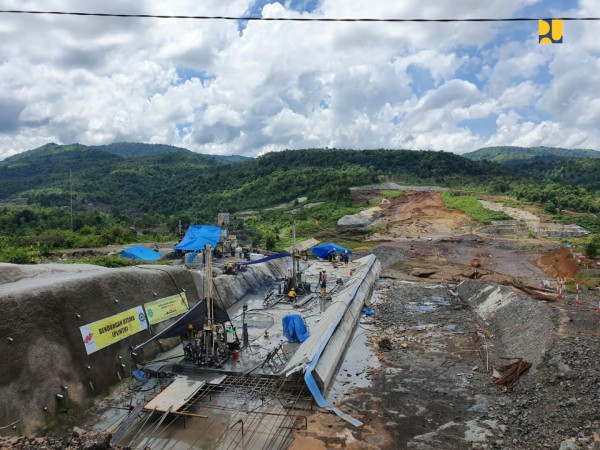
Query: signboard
[(165, 308), (102, 333)]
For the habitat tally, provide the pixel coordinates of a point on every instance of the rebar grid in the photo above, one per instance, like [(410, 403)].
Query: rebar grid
[(262, 412)]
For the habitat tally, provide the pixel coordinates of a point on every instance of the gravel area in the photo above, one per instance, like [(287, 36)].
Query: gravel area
[(432, 390)]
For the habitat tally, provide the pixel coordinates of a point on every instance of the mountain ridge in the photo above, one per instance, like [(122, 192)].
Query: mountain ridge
[(507, 153)]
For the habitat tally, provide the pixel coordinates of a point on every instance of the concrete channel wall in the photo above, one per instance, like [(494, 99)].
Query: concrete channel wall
[(331, 335), (42, 308)]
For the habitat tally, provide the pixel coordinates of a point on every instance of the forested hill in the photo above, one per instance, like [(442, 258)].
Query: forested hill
[(197, 187), (201, 185), (508, 154)]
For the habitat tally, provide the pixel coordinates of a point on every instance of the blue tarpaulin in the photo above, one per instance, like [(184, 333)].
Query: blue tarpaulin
[(323, 250), (198, 236), (141, 252), (268, 258), (294, 328)]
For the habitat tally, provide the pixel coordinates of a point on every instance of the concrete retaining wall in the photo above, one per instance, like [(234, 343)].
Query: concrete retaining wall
[(337, 324), (42, 308), (355, 295)]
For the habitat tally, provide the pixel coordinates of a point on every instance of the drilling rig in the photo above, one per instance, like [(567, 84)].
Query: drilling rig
[(212, 349)]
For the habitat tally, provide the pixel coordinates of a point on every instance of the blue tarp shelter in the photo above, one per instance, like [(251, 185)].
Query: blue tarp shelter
[(198, 236), (294, 328), (322, 251), (141, 252)]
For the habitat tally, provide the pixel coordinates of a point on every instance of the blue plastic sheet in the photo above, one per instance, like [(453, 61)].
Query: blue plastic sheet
[(140, 375), (141, 252), (369, 312), (197, 236), (268, 258), (322, 251), (294, 328)]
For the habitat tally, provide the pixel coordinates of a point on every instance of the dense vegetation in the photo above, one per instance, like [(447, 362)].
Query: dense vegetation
[(507, 153), (470, 205), (127, 192)]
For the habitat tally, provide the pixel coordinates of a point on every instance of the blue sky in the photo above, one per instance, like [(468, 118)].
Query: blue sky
[(248, 88)]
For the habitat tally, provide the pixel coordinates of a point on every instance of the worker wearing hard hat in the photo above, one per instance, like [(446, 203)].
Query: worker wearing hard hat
[(292, 295), (188, 340)]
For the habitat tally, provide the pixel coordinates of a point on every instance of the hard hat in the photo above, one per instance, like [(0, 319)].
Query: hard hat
[(292, 289), (190, 326)]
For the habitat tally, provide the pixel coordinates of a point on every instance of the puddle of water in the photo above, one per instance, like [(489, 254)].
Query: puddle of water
[(438, 300), (111, 419), (427, 326), (353, 371), (417, 307), (427, 304)]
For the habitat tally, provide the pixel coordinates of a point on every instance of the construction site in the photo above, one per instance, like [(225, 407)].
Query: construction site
[(436, 335)]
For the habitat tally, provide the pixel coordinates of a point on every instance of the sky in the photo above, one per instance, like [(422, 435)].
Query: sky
[(248, 88)]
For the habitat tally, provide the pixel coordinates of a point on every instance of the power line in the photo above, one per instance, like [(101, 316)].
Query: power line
[(288, 19)]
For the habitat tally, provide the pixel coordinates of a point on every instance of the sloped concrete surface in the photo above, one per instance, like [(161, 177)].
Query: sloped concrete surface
[(42, 308)]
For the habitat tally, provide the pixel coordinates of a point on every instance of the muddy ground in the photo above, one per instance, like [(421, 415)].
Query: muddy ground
[(432, 389)]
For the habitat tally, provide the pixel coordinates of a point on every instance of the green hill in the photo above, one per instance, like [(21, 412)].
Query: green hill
[(507, 154), (113, 192), (137, 150)]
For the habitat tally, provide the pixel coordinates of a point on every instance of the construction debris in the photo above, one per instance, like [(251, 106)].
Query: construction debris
[(533, 292), (511, 373)]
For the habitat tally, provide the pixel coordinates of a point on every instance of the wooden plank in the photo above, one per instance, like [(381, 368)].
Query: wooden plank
[(175, 395)]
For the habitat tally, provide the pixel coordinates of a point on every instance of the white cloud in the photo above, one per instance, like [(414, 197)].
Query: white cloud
[(293, 85)]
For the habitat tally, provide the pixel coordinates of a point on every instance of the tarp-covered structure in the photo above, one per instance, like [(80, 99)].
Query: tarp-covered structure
[(195, 316), (141, 252), (197, 236), (294, 328), (322, 251)]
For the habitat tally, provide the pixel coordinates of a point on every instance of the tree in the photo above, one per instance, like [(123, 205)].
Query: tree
[(270, 241), (591, 249)]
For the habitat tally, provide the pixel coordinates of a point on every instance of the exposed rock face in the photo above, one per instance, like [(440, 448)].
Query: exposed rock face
[(359, 220), (354, 221)]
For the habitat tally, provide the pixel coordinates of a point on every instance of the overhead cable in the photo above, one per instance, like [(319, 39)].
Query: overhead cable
[(288, 19)]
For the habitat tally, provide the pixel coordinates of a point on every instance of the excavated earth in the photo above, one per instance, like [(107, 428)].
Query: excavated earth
[(434, 354)]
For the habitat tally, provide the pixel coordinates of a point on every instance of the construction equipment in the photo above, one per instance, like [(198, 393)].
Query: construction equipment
[(211, 344)]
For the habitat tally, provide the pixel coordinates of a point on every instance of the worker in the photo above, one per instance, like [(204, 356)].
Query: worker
[(292, 295), (190, 334), (230, 269), (324, 282), (188, 340)]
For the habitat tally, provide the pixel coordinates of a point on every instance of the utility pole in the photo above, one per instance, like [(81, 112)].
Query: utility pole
[(294, 283), (71, 195)]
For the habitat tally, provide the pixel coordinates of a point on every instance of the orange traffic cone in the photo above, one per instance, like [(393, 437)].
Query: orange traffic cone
[(350, 272)]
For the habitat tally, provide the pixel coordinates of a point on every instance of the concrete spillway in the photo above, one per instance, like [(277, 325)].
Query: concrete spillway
[(320, 355)]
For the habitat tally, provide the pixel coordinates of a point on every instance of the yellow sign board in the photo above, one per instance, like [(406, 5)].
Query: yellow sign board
[(165, 308), (104, 332)]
